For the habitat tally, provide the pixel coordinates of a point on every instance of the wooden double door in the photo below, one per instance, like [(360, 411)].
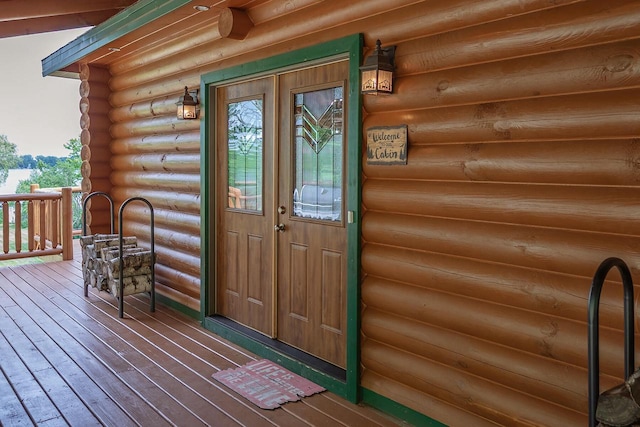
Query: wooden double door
[(280, 207)]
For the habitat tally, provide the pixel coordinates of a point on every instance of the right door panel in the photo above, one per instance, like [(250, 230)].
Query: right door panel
[(311, 249)]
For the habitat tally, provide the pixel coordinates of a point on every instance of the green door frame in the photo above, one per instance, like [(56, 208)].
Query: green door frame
[(348, 47)]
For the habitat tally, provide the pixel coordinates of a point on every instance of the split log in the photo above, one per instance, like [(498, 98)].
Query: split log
[(570, 27), (439, 409), (169, 219), (171, 237), (180, 298), (600, 115), (94, 89), (131, 284), (175, 162), (93, 106), (406, 21), (182, 142), (188, 203), (95, 123), (611, 66), (510, 245), (486, 399), (618, 406), (96, 168), (179, 282), (175, 182), (565, 207), (164, 106), (536, 333), (600, 162), (542, 378), (546, 292), (153, 125), (135, 261), (93, 72)]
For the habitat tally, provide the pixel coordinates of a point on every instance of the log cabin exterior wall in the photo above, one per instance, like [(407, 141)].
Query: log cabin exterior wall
[(477, 256)]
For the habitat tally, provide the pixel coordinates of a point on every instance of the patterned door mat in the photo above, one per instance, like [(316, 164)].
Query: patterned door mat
[(267, 384)]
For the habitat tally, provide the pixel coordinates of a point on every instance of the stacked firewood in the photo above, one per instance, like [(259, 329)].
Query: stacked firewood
[(101, 264), (619, 406)]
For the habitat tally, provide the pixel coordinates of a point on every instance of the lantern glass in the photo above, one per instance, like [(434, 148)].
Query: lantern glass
[(187, 106), (385, 81), (188, 112), (369, 81)]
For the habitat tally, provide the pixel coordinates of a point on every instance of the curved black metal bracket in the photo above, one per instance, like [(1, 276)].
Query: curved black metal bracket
[(593, 321), (84, 210), (84, 221), (153, 257)]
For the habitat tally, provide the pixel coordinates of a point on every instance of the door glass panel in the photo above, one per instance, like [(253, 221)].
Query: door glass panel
[(318, 154), (244, 142)]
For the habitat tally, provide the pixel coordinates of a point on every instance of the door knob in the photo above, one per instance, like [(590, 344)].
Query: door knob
[(282, 210), (279, 228)]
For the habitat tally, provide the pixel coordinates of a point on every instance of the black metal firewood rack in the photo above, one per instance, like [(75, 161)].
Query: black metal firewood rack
[(120, 298)]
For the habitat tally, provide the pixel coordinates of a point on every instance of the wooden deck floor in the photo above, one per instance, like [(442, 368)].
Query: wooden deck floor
[(69, 360)]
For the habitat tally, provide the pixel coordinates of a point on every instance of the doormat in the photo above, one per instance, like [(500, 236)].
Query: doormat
[(267, 384)]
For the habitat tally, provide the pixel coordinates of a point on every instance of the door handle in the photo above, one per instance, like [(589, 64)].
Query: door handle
[(279, 228)]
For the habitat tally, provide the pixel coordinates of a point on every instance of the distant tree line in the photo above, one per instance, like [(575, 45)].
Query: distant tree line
[(27, 161), (46, 171)]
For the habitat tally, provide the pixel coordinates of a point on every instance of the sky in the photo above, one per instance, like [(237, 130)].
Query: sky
[(37, 114)]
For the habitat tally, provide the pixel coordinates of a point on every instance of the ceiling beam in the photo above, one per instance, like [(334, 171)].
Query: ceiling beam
[(25, 27), (19, 9)]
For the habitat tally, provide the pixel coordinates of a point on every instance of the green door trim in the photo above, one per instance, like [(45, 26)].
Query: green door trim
[(351, 47)]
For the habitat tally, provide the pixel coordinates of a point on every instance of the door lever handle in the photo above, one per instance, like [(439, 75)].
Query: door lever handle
[(279, 228)]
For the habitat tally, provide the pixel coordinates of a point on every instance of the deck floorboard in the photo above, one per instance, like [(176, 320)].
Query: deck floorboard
[(67, 359)]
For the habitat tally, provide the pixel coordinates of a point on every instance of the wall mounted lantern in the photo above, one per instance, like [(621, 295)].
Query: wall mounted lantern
[(377, 71), (187, 105)]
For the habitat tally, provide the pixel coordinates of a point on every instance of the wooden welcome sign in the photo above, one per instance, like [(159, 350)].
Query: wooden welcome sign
[(387, 145)]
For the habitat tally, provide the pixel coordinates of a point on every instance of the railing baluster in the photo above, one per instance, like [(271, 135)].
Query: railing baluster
[(54, 222), (31, 232), (18, 225), (5, 227), (42, 220)]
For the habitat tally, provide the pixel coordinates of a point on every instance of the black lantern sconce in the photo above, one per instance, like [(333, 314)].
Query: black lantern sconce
[(377, 71), (187, 105)]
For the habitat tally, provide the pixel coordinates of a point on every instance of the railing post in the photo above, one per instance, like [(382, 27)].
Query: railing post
[(67, 224)]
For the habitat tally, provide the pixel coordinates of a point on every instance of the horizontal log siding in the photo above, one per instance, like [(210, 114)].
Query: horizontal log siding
[(522, 177), (477, 255)]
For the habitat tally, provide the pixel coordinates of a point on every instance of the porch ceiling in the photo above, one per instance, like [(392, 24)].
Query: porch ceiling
[(139, 27), (19, 17)]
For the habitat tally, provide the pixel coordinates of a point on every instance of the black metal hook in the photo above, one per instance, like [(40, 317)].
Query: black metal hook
[(593, 322), (153, 257), (84, 210)]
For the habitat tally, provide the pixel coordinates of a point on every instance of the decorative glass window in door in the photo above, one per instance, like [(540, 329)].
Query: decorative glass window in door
[(244, 142), (318, 154)]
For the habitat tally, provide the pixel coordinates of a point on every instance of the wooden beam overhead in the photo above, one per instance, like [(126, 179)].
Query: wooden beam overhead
[(18, 17), (19, 9), (23, 27)]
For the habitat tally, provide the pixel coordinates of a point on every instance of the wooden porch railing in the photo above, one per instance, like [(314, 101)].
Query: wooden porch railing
[(49, 228)]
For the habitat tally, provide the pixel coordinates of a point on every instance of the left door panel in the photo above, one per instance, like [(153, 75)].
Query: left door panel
[(244, 192)]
